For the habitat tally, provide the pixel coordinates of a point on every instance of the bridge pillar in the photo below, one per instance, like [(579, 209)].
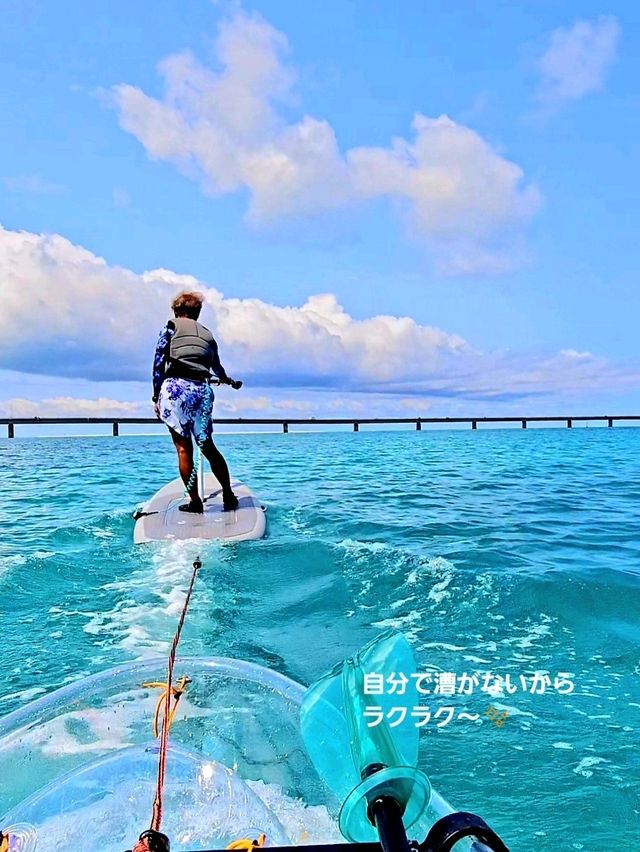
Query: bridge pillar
[(115, 430), (11, 430)]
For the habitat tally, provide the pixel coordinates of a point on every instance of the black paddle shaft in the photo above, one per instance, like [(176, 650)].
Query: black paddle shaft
[(386, 815)]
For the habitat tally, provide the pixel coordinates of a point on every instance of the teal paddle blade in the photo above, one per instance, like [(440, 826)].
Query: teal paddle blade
[(361, 737)]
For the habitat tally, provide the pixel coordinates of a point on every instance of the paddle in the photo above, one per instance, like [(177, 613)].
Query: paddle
[(370, 767)]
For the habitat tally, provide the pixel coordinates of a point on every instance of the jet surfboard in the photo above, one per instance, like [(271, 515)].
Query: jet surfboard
[(159, 519)]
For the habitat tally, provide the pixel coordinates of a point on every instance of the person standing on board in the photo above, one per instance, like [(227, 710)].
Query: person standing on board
[(186, 353)]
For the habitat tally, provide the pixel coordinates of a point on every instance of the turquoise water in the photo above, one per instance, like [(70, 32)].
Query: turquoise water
[(501, 551)]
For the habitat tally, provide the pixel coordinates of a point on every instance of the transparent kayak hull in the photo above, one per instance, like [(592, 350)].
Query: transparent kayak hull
[(79, 765)]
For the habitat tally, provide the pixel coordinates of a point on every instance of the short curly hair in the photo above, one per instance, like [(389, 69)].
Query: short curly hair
[(188, 304)]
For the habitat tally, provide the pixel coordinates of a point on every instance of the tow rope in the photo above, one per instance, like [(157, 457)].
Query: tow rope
[(153, 840)]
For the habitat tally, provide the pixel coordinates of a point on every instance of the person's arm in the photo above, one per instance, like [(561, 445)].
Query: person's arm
[(219, 370), (160, 357), (216, 366)]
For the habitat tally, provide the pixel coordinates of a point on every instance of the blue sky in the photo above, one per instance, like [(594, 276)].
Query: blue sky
[(260, 161)]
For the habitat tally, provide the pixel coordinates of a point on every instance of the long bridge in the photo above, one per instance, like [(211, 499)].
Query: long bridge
[(286, 422)]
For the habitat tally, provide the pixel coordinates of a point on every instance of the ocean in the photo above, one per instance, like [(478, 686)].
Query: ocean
[(504, 556)]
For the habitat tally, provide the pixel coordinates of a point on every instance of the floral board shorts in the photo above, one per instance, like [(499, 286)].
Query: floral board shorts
[(182, 406)]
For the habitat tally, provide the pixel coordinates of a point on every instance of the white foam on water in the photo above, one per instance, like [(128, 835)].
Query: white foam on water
[(146, 627), (513, 711), (584, 767), (131, 624), (532, 634), (470, 658), (401, 602), (297, 521), (9, 562), (421, 582), (444, 646), (362, 548), (304, 824), (427, 569), (203, 813), (402, 622), (438, 592), (23, 695)]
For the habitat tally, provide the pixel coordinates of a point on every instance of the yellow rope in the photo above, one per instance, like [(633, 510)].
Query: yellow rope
[(244, 843), (247, 844), (176, 693)]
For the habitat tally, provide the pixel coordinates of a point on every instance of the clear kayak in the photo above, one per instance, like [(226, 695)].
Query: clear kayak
[(252, 758), (79, 766)]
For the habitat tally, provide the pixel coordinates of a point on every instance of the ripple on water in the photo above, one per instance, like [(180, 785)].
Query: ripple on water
[(506, 552)]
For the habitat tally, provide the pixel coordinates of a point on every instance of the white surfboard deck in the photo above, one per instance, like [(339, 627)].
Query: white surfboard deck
[(164, 521)]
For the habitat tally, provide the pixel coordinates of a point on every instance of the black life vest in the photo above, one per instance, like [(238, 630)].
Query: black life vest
[(192, 350)]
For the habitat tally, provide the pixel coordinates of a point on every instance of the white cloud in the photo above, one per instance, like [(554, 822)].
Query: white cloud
[(226, 130), (239, 405), (575, 355), (416, 404), (577, 60), (66, 312), (69, 314), (462, 196), (69, 406)]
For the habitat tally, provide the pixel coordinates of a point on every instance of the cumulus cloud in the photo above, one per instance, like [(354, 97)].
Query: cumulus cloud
[(67, 313), (226, 129), (462, 196), (577, 60)]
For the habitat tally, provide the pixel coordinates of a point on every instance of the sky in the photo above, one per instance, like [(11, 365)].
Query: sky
[(422, 208)]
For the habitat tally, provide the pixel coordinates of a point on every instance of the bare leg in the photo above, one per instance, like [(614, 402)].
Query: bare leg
[(184, 448), (220, 471)]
